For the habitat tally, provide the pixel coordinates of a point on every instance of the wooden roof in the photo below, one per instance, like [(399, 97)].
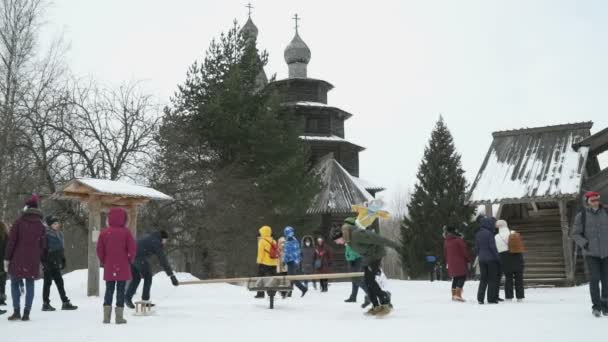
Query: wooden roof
[(532, 164), (339, 190), (110, 193)]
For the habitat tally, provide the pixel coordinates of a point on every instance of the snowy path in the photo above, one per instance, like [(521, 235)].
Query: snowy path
[(423, 312)]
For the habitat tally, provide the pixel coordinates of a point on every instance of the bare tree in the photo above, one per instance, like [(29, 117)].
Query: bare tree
[(108, 133)]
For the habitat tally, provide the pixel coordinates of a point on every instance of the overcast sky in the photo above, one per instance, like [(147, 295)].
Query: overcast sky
[(396, 65)]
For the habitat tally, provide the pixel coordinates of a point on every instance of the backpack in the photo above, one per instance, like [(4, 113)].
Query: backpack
[(515, 243), (274, 252)]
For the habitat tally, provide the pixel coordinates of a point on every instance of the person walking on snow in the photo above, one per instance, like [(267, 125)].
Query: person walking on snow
[(308, 255), (24, 250), (53, 263), (457, 257), (322, 260), (590, 232), (488, 261), (292, 256), (354, 261), (267, 258), (371, 247), (116, 250), (147, 246), (510, 247)]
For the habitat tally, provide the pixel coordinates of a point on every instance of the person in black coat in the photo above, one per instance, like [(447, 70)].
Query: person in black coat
[(147, 246), (53, 262)]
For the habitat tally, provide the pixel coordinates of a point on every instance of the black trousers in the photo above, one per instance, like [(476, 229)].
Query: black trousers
[(139, 271), (264, 271), (375, 293), (324, 284), (2, 285), (488, 281), (517, 278), (598, 273), (51, 275), (458, 282)]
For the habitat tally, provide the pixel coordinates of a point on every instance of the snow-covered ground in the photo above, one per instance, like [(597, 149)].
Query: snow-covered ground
[(221, 312)]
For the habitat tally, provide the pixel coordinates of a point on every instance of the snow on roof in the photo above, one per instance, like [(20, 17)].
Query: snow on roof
[(532, 164), (109, 187), (367, 184), (329, 138), (317, 105), (339, 191), (322, 138)]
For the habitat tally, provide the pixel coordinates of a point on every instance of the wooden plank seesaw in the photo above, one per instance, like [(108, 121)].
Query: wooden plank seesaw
[(274, 284)]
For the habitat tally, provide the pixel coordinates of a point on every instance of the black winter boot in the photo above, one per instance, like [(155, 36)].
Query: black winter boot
[(15, 316), (350, 300), (129, 303), (2, 312), (68, 306), (2, 299), (47, 307), (26, 315), (366, 302)]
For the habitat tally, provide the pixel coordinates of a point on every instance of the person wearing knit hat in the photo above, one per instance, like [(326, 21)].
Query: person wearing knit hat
[(371, 247), (24, 250), (53, 262), (590, 233), (147, 246), (457, 257)]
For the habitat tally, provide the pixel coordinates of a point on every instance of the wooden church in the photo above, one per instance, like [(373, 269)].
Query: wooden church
[(335, 158)]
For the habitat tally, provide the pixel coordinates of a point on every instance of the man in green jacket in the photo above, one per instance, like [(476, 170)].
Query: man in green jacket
[(371, 247), (354, 261)]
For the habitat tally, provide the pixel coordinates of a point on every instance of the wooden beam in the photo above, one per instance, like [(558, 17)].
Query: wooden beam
[(288, 277), (566, 242), (534, 206), (93, 262)]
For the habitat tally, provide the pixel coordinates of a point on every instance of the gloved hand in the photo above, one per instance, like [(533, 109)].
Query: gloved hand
[(63, 263), (174, 280)]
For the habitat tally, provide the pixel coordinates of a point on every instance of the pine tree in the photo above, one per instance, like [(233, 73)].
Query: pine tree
[(438, 200), (231, 157)]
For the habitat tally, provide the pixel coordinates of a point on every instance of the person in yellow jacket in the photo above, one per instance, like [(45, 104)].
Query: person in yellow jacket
[(267, 260)]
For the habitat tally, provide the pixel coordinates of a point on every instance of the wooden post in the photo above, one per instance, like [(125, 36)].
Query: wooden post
[(566, 244), (93, 262), (499, 212), (489, 210), (133, 219)]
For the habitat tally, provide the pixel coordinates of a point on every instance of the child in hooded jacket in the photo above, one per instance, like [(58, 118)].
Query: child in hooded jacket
[(292, 256)]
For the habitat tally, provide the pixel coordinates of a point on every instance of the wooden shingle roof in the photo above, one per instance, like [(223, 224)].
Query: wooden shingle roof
[(339, 190), (532, 164)]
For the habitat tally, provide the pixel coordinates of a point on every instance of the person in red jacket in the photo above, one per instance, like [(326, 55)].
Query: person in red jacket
[(24, 250), (457, 257), (116, 251)]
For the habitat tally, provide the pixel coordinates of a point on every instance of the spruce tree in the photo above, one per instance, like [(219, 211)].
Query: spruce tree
[(231, 157), (438, 200)]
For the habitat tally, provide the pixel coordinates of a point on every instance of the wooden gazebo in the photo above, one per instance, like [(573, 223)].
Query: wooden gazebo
[(99, 195)]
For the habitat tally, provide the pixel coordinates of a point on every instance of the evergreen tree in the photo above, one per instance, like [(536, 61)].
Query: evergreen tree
[(231, 157), (438, 200)]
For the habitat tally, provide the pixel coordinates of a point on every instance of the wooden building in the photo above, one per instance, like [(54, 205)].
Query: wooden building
[(534, 178)]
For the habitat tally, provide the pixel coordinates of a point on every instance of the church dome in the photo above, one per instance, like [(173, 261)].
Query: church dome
[(249, 29), (297, 51)]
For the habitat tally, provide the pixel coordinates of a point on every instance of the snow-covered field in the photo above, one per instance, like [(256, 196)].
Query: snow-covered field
[(221, 312)]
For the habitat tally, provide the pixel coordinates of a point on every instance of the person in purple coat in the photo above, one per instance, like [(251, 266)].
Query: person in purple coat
[(24, 250), (489, 261)]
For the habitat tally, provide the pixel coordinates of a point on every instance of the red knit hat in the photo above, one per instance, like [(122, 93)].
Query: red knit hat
[(33, 201), (590, 194)]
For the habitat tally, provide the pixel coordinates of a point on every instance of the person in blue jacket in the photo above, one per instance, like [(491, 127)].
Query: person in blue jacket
[(147, 246), (292, 256), (489, 261)]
